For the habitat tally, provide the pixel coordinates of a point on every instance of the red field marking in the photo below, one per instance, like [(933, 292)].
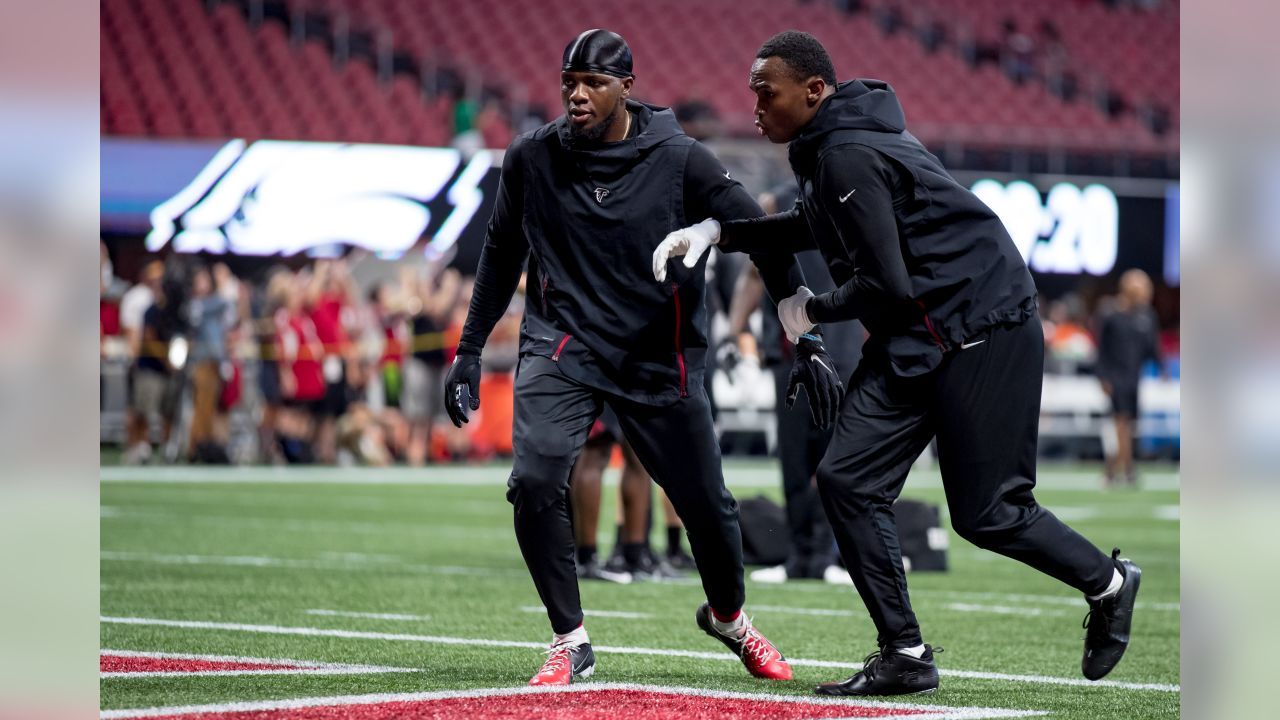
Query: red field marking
[(119, 664), (585, 702), (602, 705)]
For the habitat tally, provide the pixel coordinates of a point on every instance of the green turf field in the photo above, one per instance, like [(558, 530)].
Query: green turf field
[(299, 550)]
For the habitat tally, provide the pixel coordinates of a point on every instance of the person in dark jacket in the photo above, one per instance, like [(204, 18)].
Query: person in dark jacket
[(1128, 337), (955, 350), (800, 442), (586, 199)]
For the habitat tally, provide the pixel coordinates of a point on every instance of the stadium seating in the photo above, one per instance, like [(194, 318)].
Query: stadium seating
[(173, 68), (169, 69)]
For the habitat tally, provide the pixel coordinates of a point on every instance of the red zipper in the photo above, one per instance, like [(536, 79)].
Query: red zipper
[(684, 390), (929, 324), (564, 341)]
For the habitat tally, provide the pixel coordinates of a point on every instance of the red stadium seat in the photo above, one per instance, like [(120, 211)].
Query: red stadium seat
[(172, 68)]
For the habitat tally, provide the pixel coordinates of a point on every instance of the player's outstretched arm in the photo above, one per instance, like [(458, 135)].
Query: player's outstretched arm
[(497, 277), (691, 243)]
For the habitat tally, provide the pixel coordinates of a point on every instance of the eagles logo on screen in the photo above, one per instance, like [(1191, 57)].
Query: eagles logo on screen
[(281, 198)]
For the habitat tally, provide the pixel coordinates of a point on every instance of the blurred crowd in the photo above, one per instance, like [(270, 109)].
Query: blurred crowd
[(308, 364), (297, 365)]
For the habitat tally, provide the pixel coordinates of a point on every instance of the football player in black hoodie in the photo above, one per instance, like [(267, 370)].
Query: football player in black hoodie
[(586, 199), (956, 352)]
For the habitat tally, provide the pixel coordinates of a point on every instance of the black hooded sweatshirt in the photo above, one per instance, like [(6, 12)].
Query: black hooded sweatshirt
[(588, 217), (918, 258)]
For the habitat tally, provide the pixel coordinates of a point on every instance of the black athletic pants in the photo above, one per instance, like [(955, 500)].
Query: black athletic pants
[(801, 445), (678, 447), (983, 404)]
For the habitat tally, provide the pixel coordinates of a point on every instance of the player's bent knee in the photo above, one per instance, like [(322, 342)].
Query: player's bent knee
[(845, 486), (828, 478), (539, 477), (985, 531)]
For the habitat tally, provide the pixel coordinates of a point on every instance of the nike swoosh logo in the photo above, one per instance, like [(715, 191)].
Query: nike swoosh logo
[(966, 346), (851, 192), (824, 365)]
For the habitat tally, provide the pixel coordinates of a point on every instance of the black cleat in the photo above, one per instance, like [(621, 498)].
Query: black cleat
[(650, 567), (889, 672), (1107, 624), (681, 560), (616, 563), (591, 570)]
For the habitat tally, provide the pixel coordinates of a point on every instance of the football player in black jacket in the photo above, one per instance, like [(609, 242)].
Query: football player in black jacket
[(586, 199), (955, 351)]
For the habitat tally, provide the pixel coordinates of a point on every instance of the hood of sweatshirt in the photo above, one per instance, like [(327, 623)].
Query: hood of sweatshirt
[(856, 105)]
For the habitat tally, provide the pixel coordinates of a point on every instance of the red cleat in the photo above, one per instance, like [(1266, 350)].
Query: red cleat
[(564, 663), (759, 655)]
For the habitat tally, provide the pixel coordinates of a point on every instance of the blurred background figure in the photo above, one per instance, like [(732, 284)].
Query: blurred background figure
[(207, 317), (299, 358), (1069, 347), (149, 367), (432, 291), (330, 295), (1129, 337), (585, 483), (801, 443)]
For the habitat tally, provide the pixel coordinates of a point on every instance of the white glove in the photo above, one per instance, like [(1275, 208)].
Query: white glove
[(791, 312), (691, 242)]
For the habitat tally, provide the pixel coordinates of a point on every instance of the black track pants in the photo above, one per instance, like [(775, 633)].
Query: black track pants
[(801, 445), (678, 447), (983, 404)]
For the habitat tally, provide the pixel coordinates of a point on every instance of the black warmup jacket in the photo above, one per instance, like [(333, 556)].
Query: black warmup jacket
[(920, 260), (1127, 339), (589, 218)]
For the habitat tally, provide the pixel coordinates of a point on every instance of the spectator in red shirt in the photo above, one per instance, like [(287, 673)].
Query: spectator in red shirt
[(299, 353), (329, 298)]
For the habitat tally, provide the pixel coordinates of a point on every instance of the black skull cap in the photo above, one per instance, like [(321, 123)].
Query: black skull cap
[(599, 51)]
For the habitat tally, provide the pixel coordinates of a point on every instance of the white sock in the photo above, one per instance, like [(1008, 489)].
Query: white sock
[(916, 652), (733, 628), (577, 636), (1117, 580)]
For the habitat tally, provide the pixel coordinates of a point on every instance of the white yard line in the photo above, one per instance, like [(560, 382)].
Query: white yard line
[(932, 712), (221, 658), (593, 613), (351, 562), (293, 667), (369, 615), (445, 640), (1003, 610), (1077, 602), (363, 562), (231, 673), (931, 594)]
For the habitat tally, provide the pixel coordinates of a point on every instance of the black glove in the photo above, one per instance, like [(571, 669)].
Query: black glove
[(464, 371), (728, 356), (815, 371)]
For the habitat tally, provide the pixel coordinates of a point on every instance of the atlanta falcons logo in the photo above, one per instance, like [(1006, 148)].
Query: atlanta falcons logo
[(601, 194)]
